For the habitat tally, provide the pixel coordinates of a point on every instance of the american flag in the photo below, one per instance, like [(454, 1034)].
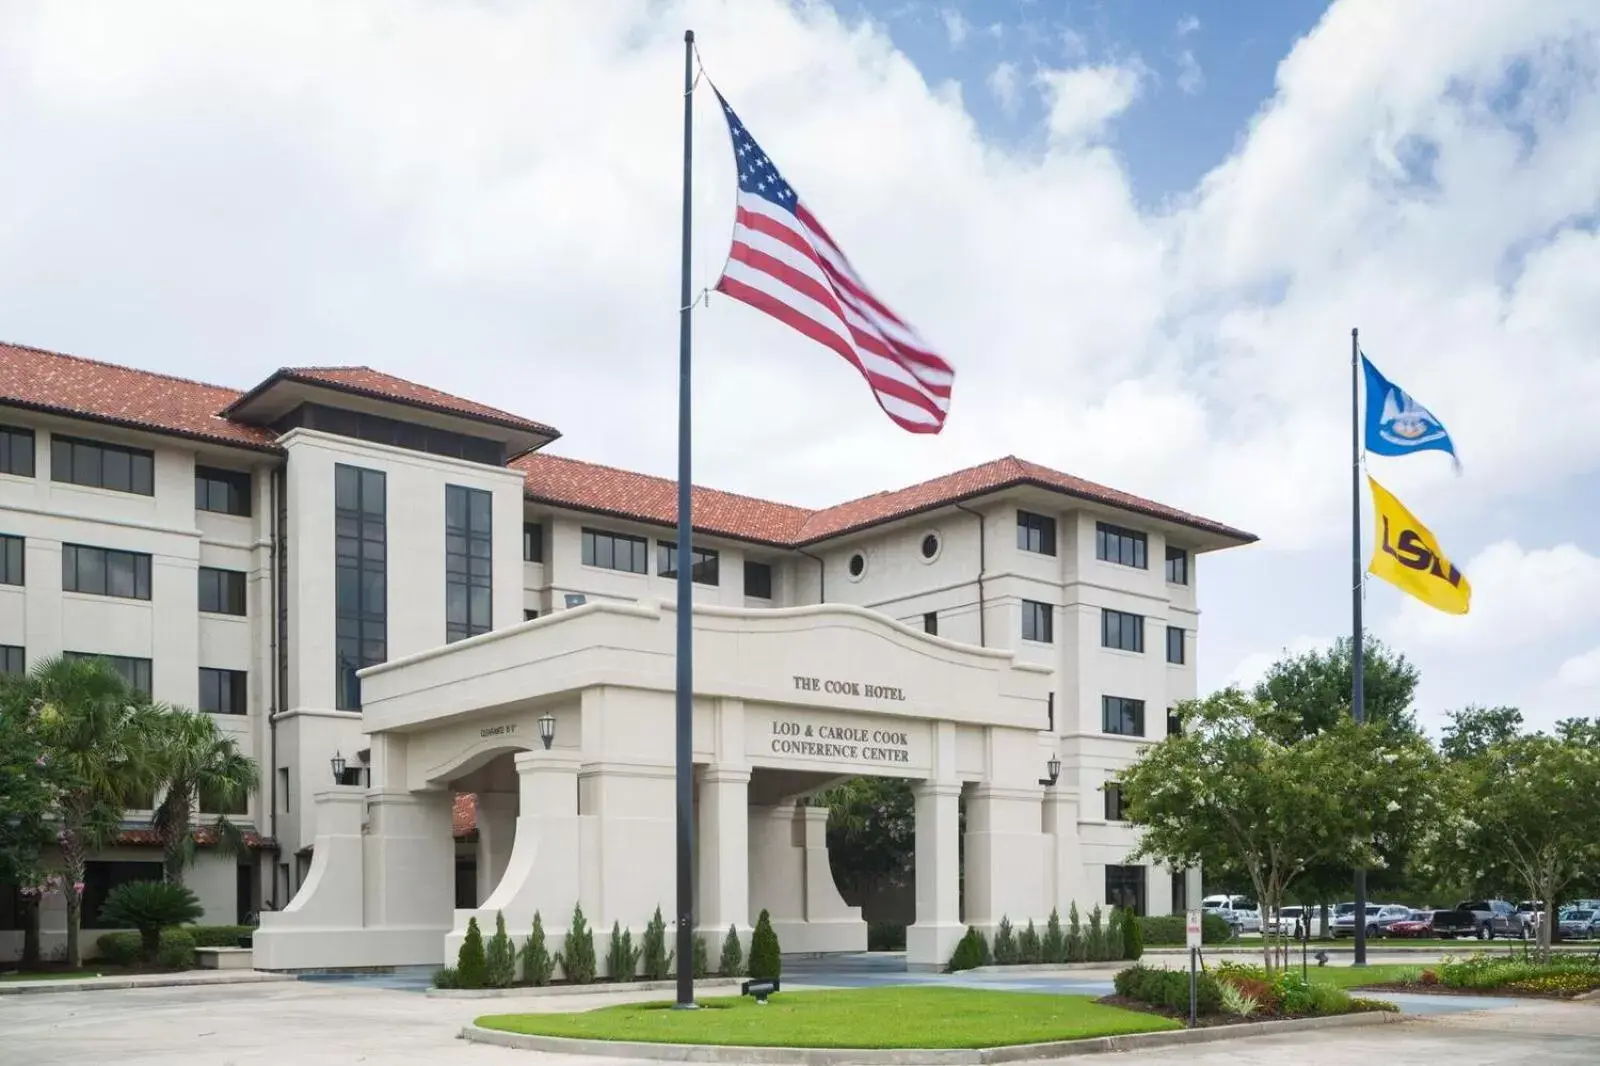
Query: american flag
[(784, 263)]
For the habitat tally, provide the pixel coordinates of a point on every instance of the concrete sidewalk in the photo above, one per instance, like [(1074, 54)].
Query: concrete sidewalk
[(141, 980)]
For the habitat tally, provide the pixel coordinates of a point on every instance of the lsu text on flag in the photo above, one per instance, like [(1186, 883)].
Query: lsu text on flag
[(1408, 557), (784, 263), (1398, 424)]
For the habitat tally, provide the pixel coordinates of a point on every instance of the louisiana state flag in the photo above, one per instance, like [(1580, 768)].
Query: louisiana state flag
[(1408, 557)]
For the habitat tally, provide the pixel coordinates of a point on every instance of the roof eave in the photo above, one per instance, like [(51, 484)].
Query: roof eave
[(267, 447), (628, 516)]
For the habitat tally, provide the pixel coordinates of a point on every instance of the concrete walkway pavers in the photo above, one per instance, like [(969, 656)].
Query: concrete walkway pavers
[(188, 978)]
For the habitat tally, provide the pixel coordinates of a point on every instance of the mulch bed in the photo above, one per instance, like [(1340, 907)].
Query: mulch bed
[(1204, 1021), (1443, 990)]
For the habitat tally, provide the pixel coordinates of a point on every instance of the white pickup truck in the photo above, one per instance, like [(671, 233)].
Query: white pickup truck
[(1241, 913)]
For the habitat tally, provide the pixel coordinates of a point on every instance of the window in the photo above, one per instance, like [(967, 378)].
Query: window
[(105, 572), (394, 432), (930, 546), (1126, 547), (361, 578), (1180, 891), (1174, 723), (857, 565), (13, 660), (1037, 622), (1177, 566), (1036, 533), (532, 542), (11, 565), (1175, 645), (221, 491), (221, 591), (16, 451), (615, 551), (1121, 630), (283, 787), (102, 466), (135, 673), (930, 622), (223, 691), (1122, 716), (214, 801), (1114, 803), (1125, 888), (702, 566), (529, 614), (757, 580), (468, 562), (100, 877)]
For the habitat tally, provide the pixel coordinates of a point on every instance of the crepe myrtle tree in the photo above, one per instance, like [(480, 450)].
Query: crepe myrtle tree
[(1231, 791), (1523, 810)]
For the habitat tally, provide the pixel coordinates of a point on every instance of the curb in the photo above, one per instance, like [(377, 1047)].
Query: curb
[(110, 984), (787, 1056), (1046, 967), (576, 990)]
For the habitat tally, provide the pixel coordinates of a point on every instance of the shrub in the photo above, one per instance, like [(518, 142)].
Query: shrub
[(971, 952), (472, 967), (622, 957), (500, 956), (886, 936), (657, 959), (149, 907), (1169, 989), (1428, 977), (1171, 930), (577, 959), (1237, 1001), (1077, 949), (119, 949), (1294, 993), (219, 936), (1029, 950), (701, 962), (1132, 937), (1054, 946), (1096, 937), (1359, 1005), (1327, 999), (446, 977), (1005, 944), (732, 962), (765, 964), (1262, 993), (175, 949), (1229, 969), (537, 965)]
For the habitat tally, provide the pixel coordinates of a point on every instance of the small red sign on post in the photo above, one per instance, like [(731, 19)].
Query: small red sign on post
[(1192, 929)]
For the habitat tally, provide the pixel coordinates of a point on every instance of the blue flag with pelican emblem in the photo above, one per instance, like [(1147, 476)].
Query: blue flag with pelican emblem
[(1398, 424)]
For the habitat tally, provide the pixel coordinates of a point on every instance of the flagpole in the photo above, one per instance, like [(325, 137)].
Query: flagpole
[(684, 694), (1357, 668)]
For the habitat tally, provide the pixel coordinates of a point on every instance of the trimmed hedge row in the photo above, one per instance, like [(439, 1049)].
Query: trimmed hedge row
[(1171, 930)]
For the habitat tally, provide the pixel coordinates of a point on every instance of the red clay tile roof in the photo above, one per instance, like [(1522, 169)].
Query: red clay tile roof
[(464, 816), (205, 836), (624, 494), (365, 381), (83, 388)]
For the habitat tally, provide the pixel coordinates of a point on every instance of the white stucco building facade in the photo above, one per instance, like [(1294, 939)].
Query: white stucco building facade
[(409, 580)]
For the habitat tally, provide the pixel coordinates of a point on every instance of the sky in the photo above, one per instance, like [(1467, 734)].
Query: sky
[(1141, 230)]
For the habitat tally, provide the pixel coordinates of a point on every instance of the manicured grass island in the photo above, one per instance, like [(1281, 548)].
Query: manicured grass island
[(915, 1017)]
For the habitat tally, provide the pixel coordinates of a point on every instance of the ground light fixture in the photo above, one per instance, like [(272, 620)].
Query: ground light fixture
[(1321, 957), (1053, 768), (337, 762), (759, 989), (547, 729)]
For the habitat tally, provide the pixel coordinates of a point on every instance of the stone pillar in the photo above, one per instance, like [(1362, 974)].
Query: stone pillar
[(1063, 851), (410, 861), (497, 831), (777, 868), (318, 926), (722, 836), (1004, 861), (930, 941), (831, 923)]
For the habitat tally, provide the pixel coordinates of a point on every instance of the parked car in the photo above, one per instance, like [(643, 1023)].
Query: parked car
[(1288, 921), (1241, 913), (1579, 924), (1492, 918), (1449, 924), (1345, 924), (1530, 912), (1416, 924)]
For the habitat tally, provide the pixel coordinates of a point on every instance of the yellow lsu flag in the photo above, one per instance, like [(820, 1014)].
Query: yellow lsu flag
[(1408, 557)]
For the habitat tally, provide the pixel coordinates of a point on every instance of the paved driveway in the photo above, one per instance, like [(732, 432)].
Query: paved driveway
[(309, 1023)]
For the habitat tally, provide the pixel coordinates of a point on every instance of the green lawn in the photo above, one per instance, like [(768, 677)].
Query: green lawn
[(849, 1018), (1361, 976)]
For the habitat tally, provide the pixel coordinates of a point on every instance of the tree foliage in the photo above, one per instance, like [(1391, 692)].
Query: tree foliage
[(1473, 730), (149, 907), (1314, 688), (1232, 790), (28, 789), (871, 832), (194, 760)]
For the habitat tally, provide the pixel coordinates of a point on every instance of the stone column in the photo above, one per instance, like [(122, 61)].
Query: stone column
[(497, 832), (930, 941), (321, 926), (1004, 861), (831, 923), (410, 862), (722, 836), (1064, 875)]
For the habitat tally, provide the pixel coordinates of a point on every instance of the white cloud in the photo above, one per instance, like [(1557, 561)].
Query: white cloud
[(1519, 597), (1082, 101), (1253, 667), (1004, 84), (956, 26), (1187, 25), (1191, 79), (1581, 671)]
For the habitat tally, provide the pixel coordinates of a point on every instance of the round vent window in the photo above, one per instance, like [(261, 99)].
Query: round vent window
[(930, 546), (858, 564)]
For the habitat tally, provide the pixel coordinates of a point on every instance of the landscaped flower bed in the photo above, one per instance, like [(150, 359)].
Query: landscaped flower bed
[(1234, 992), (1563, 977)]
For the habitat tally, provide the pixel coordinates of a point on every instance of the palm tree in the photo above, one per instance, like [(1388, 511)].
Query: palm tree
[(194, 759), (96, 731)]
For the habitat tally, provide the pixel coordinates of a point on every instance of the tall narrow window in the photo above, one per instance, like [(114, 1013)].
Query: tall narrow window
[(16, 451), (361, 576), (1036, 533), (1038, 622), (1177, 566), (1180, 891), (1175, 645), (1115, 806), (532, 542), (221, 491), (13, 661), (1125, 888), (757, 579), (223, 691), (11, 566), (930, 622), (221, 591), (468, 562)]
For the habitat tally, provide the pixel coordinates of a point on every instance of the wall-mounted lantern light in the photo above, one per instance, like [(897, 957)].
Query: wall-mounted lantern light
[(547, 729), (337, 762), (1054, 769)]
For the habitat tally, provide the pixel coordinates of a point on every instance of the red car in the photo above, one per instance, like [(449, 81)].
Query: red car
[(1419, 924)]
